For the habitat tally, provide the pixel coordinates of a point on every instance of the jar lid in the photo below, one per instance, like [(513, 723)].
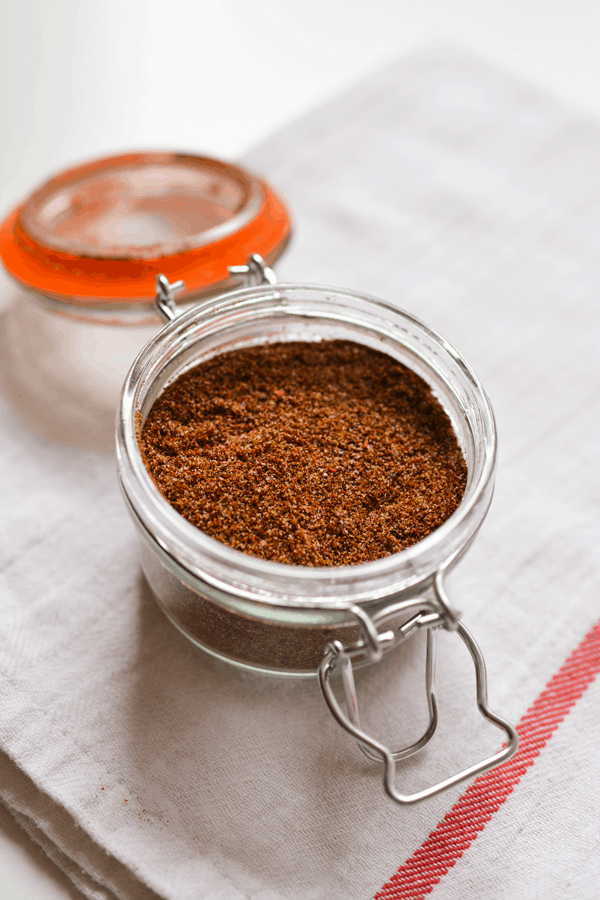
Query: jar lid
[(94, 237)]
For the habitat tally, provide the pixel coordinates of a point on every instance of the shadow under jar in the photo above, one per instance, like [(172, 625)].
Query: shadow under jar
[(300, 620)]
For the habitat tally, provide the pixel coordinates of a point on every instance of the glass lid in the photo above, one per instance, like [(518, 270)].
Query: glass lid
[(95, 236), (142, 206)]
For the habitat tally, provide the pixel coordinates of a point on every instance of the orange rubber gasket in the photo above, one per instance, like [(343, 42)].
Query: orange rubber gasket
[(84, 281)]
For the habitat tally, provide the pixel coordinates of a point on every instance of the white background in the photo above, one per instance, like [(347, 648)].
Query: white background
[(82, 78)]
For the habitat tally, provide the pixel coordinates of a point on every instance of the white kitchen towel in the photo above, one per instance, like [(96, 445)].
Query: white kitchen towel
[(146, 769)]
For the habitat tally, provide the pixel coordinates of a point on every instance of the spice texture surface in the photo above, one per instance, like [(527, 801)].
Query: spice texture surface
[(310, 453), (322, 454)]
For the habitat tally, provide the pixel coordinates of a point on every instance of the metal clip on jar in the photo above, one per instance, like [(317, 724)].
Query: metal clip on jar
[(296, 620)]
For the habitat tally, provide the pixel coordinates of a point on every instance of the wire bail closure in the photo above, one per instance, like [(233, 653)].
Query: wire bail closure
[(431, 614), (164, 300), (254, 272)]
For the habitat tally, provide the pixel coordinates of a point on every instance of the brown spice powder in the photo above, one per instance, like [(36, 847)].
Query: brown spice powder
[(317, 454)]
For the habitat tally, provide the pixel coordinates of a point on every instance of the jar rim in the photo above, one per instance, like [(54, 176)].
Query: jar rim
[(298, 585)]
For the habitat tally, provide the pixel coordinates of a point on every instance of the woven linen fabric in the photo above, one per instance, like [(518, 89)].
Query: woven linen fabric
[(146, 769)]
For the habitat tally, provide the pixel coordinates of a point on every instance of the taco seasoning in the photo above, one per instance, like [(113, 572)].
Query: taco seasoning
[(324, 453)]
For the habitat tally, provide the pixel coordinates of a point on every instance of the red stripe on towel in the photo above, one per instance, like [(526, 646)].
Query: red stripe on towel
[(470, 814)]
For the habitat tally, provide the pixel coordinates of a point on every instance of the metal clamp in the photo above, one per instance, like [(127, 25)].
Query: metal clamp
[(255, 272), (165, 294), (337, 660), (341, 664)]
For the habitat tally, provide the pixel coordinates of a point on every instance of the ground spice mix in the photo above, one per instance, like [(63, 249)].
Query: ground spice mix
[(311, 453)]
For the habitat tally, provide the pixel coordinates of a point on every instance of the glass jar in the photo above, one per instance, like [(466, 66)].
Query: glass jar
[(296, 620)]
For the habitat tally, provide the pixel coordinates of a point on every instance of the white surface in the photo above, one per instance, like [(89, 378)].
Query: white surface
[(81, 79), (26, 873)]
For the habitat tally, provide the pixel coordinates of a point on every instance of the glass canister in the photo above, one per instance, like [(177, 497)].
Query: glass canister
[(295, 620)]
